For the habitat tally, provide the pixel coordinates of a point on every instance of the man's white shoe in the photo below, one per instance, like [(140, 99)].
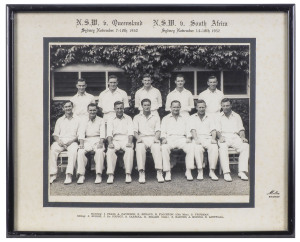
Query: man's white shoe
[(68, 179), (159, 176), (227, 177), (98, 179), (110, 179), (212, 175), (52, 178), (188, 175), (243, 176), (80, 179), (200, 174), (142, 178), (128, 178), (168, 176)]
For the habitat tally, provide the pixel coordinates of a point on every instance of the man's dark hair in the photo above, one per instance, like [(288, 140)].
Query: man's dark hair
[(145, 100), (200, 101), (68, 101), (112, 77), (175, 101), (92, 105), (212, 77), (81, 80), (224, 100), (146, 76), (118, 103), (179, 75)]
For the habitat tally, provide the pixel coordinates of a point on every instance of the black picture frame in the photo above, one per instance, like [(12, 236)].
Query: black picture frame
[(13, 9)]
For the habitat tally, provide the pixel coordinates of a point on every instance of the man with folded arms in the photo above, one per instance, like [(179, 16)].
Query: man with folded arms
[(175, 133), (231, 133), (119, 136), (182, 95), (81, 99), (108, 97), (147, 132), (91, 137), (65, 137), (204, 135), (149, 92)]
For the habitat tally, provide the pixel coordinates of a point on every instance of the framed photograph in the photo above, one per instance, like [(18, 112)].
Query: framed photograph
[(150, 120)]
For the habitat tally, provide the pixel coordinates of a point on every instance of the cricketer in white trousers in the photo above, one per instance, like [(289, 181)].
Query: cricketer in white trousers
[(178, 142), (90, 144), (184, 114), (230, 127), (212, 150), (234, 141), (148, 142), (119, 142), (72, 155)]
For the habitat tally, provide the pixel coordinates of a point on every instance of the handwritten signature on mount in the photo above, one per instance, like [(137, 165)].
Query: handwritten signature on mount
[(273, 192)]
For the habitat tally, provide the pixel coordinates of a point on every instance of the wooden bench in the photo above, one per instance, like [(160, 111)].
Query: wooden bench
[(233, 158), (61, 164), (64, 154), (178, 155)]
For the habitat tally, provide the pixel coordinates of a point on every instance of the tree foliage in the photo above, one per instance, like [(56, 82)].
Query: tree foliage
[(157, 60), (153, 59)]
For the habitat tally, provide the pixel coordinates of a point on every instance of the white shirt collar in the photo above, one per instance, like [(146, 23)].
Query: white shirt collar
[(93, 120), (211, 91), (142, 114), (65, 117), (108, 90), (123, 117), (232, 114), (171, 115), (183, 90), (83, 94), (204, 117), (151, 87)]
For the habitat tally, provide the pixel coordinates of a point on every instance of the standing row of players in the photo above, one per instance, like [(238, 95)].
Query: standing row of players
[(208, 129)]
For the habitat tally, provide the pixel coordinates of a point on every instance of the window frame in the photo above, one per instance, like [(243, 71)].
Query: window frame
[(195, 70), (79, 68)]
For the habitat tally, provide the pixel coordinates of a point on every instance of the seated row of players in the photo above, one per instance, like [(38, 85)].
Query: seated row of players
[(192, 134)]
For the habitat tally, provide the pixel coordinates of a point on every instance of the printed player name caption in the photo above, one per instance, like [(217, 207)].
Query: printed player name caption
[(151, 215)]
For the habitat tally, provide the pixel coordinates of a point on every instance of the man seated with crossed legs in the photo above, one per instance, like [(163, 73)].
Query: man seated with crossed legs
[(65, 137)]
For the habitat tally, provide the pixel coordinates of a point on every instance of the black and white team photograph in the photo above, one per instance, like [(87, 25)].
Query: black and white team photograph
[(149, 119)]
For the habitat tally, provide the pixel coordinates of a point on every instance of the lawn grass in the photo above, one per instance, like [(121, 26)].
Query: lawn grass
[(179, 186)]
